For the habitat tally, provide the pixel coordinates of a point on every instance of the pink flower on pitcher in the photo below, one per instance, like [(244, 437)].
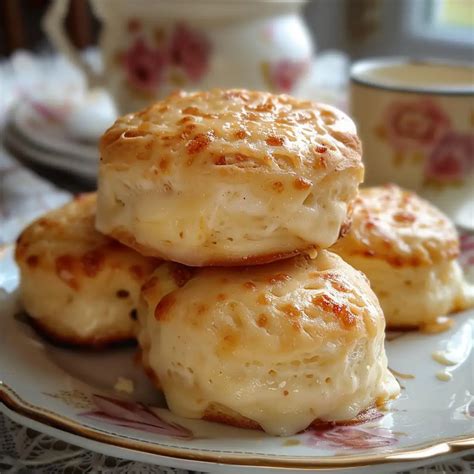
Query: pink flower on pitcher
[(190, 50), (144, 66), (415, 125), (452, 158), (284, 74)]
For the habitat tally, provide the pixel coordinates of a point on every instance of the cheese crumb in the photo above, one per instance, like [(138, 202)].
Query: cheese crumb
[(312, 253)]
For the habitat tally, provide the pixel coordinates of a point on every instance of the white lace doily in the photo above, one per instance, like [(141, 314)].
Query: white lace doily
[(23, 451)]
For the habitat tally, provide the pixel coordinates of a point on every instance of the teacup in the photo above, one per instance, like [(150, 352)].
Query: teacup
[(150, 48), (416, 122)]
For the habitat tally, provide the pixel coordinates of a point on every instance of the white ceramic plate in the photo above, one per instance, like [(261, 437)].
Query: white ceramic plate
[(70, 395)]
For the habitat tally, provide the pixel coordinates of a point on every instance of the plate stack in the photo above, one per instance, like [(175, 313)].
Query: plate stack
[(59, 135)]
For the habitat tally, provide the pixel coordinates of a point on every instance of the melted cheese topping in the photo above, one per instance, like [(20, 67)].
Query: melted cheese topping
[(391, 224), (228, 177), (407, 249), (80, 286), (237, 128), (281, 344), (414, 297)]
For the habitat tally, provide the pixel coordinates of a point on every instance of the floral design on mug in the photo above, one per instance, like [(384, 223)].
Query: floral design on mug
[(283, 75), (180, 49), (420, 130), (452, 158), (415, 125)]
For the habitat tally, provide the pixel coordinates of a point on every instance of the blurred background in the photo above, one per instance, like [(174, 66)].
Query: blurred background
[(357, 27)]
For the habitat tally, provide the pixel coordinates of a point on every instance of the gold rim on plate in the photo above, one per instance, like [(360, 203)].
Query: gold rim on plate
[(15, 403)]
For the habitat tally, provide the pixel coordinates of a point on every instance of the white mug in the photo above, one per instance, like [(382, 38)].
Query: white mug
[(416, 123), (151, 48)]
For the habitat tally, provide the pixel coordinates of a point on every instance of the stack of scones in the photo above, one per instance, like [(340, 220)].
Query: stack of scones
[(207, 241)]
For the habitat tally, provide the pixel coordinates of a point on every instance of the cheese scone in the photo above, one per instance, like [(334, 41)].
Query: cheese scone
[(274, 347), (407, 248), (78, 286), (228, 177)]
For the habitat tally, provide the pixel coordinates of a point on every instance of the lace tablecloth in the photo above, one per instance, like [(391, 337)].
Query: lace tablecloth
[(24, 196)]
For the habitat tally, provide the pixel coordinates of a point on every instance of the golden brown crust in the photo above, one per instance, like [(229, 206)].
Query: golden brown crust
[(221, 415), (151, 374), (65, 241), (228, 177), (397, 226), (346, 225), (403, 327), (126, 238), (98, 342), (338, 301), (286, 336), (245, 129), (80, 288)]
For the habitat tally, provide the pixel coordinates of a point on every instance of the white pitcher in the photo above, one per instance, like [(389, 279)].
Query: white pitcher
[(153, 47)]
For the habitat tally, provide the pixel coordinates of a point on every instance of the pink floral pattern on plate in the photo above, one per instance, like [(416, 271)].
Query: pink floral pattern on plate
[(138, 416), (452, 158), (134, 415), (415, 125), (348, 437)]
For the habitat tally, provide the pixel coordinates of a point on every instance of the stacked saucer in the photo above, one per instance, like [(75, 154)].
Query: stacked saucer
[(59, 135)]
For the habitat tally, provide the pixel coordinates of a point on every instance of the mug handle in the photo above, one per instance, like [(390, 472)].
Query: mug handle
[(53, 25)]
